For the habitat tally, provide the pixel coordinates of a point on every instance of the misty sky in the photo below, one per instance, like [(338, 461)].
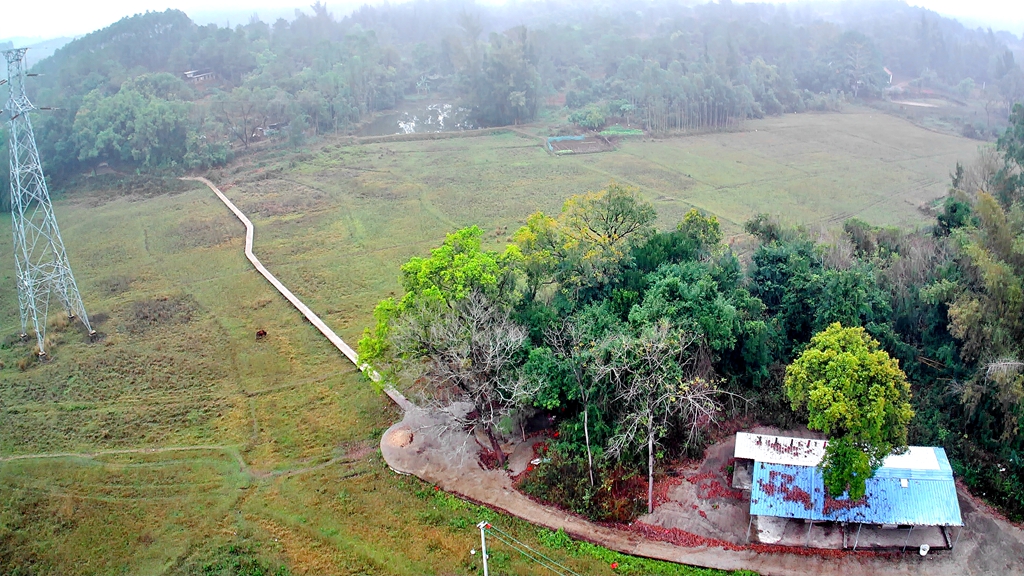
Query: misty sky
[(51, 19)]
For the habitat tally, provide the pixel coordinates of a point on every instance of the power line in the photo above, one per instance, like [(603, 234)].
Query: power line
[(528, 555), (527, 551)]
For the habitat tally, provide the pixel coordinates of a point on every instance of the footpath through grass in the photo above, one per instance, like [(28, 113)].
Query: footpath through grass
[(292, 477)]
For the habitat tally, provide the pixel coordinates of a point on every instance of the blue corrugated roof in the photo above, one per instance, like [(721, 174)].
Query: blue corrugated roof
[(799, 492)]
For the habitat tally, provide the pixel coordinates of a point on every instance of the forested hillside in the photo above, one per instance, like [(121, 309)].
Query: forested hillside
[(122, 97)]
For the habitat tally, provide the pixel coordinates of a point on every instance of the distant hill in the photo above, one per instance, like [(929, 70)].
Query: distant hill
[(13, 41), (42, 50), (121, 95), (39, 49)]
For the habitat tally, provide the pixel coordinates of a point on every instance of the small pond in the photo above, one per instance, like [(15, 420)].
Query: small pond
[(417, 117)]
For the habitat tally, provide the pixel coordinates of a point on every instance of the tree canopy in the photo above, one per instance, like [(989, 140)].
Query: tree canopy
[(658, 65), (838, 324), (456, 269), (585, 247), (856, 394)]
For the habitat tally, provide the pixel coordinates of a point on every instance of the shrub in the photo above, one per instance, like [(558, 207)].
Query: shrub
[(617, 495), (589, 118)]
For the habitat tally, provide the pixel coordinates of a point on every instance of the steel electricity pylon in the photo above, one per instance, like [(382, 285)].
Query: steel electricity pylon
[(41, 263)]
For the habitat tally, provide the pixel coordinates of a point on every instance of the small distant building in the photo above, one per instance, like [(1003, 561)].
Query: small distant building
[(911, 501), (197, 76)]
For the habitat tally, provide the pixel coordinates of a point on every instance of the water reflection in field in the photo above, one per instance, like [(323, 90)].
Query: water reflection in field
[(418, 118)]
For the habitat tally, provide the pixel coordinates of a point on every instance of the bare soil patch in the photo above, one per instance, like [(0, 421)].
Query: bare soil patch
[(161, 311), (399, 438), (589, 145), (204, 233)]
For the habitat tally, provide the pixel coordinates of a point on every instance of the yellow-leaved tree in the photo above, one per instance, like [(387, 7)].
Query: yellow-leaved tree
[(856, 394)]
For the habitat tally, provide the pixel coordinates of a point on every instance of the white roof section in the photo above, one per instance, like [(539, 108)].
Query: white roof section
[(915, 458), (809, 452), (779, 449)]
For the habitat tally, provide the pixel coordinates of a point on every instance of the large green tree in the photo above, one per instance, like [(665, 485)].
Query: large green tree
[(454, 270), (451, 334), (145, 122), (856, 394), (505, 87), (585, 247), (1011, 145)]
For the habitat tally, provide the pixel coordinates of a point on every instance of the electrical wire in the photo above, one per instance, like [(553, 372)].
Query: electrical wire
[(563, 569), (528, 555)]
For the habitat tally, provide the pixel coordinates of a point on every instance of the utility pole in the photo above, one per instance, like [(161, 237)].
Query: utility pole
[(41, 262), (483, 526)]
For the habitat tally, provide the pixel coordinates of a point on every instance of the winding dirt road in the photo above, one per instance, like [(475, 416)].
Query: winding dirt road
[(422, 446)]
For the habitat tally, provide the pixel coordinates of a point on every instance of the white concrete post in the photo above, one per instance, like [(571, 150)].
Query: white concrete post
[(483, 543)]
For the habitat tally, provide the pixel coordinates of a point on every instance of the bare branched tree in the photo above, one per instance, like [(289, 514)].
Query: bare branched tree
[(978, 174), (1004, 367), (662, 381), (838, 250), (463, 357), (1004, 380), (569, 340)]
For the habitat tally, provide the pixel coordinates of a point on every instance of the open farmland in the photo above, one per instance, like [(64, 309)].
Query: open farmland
[(286, 465)]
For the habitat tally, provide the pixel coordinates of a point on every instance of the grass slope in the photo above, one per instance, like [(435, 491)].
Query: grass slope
[(289, 473)]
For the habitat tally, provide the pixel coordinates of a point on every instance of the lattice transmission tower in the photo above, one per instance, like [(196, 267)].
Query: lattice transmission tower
[(41, 263)]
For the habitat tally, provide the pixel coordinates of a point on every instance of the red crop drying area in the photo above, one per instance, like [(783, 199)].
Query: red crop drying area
[(690, 540), (794, 448), (798, 495), (833, 505), (695, 478), (785, 487), (662, 488), (678, 537), (711, 485)]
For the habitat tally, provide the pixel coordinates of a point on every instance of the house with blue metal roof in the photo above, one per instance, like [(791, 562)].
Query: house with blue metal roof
[(911, 491)]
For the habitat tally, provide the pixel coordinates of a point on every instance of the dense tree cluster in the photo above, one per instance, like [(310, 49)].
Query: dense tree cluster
[(659, 64), (639, 339)]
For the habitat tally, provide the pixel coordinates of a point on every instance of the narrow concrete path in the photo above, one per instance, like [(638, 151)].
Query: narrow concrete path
[(315, 320)]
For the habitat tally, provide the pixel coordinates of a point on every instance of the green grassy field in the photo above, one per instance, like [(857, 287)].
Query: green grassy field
[(286, 468)]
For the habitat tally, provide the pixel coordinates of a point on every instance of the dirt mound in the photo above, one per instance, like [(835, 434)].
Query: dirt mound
[(400, 438)]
